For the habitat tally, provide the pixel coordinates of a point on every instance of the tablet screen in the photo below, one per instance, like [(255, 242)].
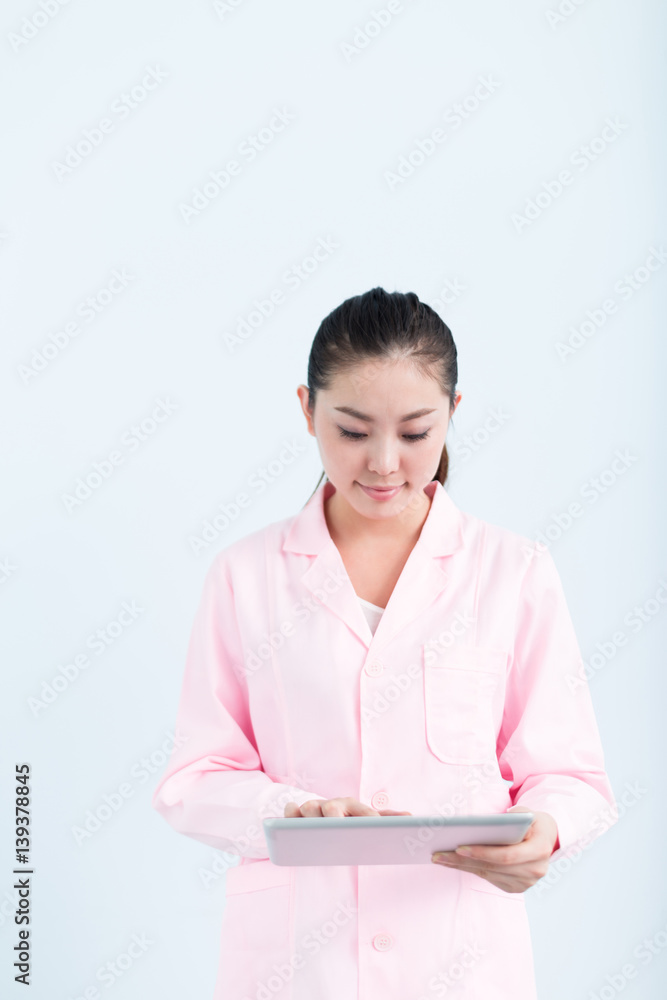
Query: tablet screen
[(385, 840)]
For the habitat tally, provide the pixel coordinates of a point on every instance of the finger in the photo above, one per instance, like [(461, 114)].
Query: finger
[(516, 873), (479, 867), (313, 807), (332, 808), (394, 812), (514, 883), (508, 884), (338, 807), (532, 849), (352, 807)]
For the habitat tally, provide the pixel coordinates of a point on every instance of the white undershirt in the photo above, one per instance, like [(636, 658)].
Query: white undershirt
[(372, 612)]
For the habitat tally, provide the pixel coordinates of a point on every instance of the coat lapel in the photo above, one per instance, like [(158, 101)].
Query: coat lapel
[(422, 580)]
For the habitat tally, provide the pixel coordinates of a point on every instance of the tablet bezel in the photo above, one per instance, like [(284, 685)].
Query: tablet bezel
[(427, 833)]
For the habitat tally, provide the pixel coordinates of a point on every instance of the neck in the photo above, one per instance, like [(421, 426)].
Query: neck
[(347, 525)]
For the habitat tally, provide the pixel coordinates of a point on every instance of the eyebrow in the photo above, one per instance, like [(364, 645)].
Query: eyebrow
[(362, 416)]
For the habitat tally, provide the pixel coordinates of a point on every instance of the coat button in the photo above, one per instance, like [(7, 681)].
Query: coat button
[(374, 669), (383, 942), (380, 800)]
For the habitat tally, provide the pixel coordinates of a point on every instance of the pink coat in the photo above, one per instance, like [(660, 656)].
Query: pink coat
[(462, 702)]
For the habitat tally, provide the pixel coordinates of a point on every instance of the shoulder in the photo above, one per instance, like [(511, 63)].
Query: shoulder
[(499, 546), (247, 556)]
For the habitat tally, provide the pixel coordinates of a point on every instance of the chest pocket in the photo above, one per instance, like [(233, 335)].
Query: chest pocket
[(461, 686)]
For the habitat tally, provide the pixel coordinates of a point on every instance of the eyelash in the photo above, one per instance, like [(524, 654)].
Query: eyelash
[(357, 437)]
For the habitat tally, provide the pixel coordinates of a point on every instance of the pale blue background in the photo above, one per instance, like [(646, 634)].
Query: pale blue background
[(163, 337)]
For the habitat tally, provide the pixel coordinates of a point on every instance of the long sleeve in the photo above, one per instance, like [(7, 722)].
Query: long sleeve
[(549, 744), (214, 788)]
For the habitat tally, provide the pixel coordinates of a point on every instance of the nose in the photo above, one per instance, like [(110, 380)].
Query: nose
[(383, 459)]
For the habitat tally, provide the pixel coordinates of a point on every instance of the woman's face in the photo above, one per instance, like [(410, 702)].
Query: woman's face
[(382, 425)]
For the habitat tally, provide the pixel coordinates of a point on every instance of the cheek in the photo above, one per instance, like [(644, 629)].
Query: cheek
[(438, 443), (428, 453), (419, 461), (339, 452)]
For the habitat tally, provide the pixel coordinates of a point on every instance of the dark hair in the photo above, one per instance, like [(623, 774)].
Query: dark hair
[(384, 325)]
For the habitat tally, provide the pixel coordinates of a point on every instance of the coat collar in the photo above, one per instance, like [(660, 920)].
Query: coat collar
[(441, 532), (422, 580)]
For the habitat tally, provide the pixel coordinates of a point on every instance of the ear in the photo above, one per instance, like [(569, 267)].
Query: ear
[(303, 393)]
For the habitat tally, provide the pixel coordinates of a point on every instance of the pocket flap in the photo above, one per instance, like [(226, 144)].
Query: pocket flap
[(253, 875), (487, 659)]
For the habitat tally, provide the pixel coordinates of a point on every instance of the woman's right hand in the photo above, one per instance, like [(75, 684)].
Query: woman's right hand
[(337, 807)]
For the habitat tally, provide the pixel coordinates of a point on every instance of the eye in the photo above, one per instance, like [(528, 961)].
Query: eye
[(355, 436), (350, 434)]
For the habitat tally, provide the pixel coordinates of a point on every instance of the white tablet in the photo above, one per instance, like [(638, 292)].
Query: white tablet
[(384, 840)]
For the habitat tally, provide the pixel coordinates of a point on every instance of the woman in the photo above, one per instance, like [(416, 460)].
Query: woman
[(382, 652)]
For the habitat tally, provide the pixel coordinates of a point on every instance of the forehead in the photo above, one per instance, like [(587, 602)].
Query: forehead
[(387, 384)]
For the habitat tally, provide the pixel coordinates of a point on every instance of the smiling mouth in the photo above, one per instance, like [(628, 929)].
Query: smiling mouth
[(382, 489)]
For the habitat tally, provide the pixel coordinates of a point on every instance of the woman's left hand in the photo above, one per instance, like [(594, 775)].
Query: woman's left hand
[(512, 867)]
